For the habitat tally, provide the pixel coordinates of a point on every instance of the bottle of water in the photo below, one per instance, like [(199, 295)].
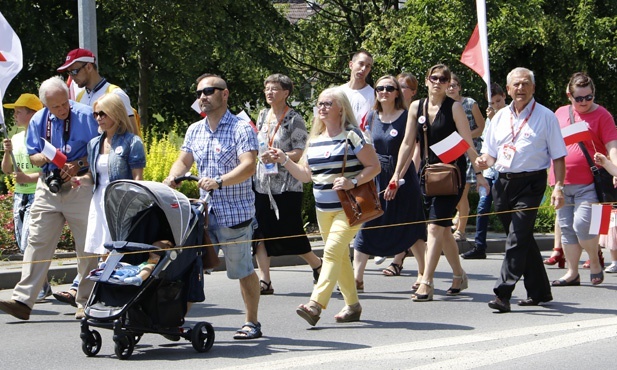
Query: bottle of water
[(263, 147)]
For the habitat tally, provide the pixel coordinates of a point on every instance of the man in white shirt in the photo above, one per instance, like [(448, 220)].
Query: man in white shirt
[(360, 94)]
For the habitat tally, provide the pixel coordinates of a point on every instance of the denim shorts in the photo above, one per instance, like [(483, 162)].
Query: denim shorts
[(575, 216), (236, 246)]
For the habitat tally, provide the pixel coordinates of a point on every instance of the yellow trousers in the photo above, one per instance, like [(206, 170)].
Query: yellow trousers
[(336, 268)]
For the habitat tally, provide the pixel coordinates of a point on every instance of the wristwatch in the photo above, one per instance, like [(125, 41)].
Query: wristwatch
[(219, 181), (559, 187), (354, 181)]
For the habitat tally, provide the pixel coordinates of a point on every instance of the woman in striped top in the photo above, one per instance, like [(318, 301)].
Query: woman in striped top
[(334, 127)]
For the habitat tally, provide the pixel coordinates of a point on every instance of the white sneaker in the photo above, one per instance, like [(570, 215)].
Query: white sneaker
[(379, 260), (612, 268)]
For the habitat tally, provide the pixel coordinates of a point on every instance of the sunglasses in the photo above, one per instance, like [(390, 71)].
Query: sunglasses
[(74, 72), (440, 79), (99, 114), (324, 104), (387, 88), (207, 91), (579, 99)]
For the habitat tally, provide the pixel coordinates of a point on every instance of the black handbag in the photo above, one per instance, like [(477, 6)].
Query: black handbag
[(602, 180)]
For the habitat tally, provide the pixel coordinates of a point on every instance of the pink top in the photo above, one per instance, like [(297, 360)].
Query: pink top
[(603, 130)]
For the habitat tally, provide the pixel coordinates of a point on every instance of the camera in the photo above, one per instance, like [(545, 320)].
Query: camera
[(54, 181)]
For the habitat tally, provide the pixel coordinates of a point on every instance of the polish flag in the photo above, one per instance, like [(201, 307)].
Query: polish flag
[(600, 219), (450, 148), (576, 133), (197, 109), (53, 154), (242, 116), (11, 58), (475, 55)]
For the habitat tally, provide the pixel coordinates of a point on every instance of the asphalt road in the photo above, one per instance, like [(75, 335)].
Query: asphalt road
[(577, 330)]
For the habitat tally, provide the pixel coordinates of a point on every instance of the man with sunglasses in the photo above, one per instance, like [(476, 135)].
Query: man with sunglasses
[(360, 94), (80, 65), (225, 150), (521, 142), (68, 126)]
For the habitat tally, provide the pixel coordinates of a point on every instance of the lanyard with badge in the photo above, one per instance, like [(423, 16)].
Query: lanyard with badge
[(509, 150), (272, 168)]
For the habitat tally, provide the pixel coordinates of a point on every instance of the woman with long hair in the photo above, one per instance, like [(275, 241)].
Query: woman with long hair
[(441, 116), (334, 129)]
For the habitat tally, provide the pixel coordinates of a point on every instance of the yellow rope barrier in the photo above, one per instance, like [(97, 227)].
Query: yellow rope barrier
[(60, 260)]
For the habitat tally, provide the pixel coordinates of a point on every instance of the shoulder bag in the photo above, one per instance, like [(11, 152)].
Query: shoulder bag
[(602, 180), (361, 204), (438, 178)]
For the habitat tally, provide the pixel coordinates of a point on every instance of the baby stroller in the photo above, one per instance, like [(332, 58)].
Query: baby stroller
[(140, 213)]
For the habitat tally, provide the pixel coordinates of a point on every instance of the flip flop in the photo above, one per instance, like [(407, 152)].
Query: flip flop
[(249, 331), (66, 297)]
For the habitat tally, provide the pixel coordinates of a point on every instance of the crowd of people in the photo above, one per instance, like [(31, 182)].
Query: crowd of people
[(359, 134)]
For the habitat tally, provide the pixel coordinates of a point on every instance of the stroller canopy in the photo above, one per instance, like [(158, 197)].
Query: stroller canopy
[(126, 199)]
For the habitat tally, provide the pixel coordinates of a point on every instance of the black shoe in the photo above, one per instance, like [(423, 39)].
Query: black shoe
[(474, 254), (500, 305), (534, 302)]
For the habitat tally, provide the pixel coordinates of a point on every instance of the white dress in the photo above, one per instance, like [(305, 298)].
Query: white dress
[(98, 231)]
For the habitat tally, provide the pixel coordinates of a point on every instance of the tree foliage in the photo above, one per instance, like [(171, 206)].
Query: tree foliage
[(155, 49)]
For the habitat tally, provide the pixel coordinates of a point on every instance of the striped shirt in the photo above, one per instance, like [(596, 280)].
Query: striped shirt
[(325, 159), (216, 153)]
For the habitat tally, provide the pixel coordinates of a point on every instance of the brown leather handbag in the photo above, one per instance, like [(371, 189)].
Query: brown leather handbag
[(439, 178), (361, 204), (209, 257)]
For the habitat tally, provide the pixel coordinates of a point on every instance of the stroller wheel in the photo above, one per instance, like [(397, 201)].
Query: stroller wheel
[(124, 346), (202, 336), (91, 345)]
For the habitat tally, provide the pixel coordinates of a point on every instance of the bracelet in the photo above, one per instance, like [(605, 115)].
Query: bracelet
[(286, 160), (478, 173)]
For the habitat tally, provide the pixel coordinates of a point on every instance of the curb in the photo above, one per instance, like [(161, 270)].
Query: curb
[(65, 271)]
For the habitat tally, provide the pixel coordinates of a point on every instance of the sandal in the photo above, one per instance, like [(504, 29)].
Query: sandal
[(316, 272), (249, 331), (349, 313), (66, 297), (597, 279), (310, 312), (394, 271), (415, 285), (464, 284), (266, 288)]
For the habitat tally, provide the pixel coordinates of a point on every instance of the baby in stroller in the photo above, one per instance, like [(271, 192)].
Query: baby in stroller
[(157, 227)]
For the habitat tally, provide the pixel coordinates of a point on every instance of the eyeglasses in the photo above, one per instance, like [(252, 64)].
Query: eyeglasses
[(207, 91), (324, 104), (579, 99), (74, 72), (453, 86), (387, 88), (100, 114), (440, 79), (272, 89)]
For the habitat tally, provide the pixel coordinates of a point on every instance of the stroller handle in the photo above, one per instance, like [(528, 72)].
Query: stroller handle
[(188, 176)]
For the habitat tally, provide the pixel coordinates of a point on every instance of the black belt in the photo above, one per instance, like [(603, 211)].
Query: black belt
[(516, 175)]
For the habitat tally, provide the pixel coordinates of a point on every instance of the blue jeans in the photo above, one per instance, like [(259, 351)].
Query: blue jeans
[(21, 218), (484, 206)]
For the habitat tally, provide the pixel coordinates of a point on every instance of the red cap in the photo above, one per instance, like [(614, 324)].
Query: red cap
[(77, 55)]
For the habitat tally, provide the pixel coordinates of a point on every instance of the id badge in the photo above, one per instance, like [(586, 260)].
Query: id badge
[(506, 155), (270, 168)]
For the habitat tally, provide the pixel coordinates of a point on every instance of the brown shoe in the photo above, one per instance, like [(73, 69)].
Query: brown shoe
[(16, 309)]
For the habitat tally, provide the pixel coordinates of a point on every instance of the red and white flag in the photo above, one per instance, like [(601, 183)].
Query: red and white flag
[(53, 154), (600, 219), (575, 133), (450, 148), (475, 55), (11, 57), (242, 116), (197, 109)]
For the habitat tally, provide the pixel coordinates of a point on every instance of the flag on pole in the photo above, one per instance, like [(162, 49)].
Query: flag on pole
[(475, 55), (242, 116), (11, 58), (600, 219), (450, 148), (575, 133), (53, 154)]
